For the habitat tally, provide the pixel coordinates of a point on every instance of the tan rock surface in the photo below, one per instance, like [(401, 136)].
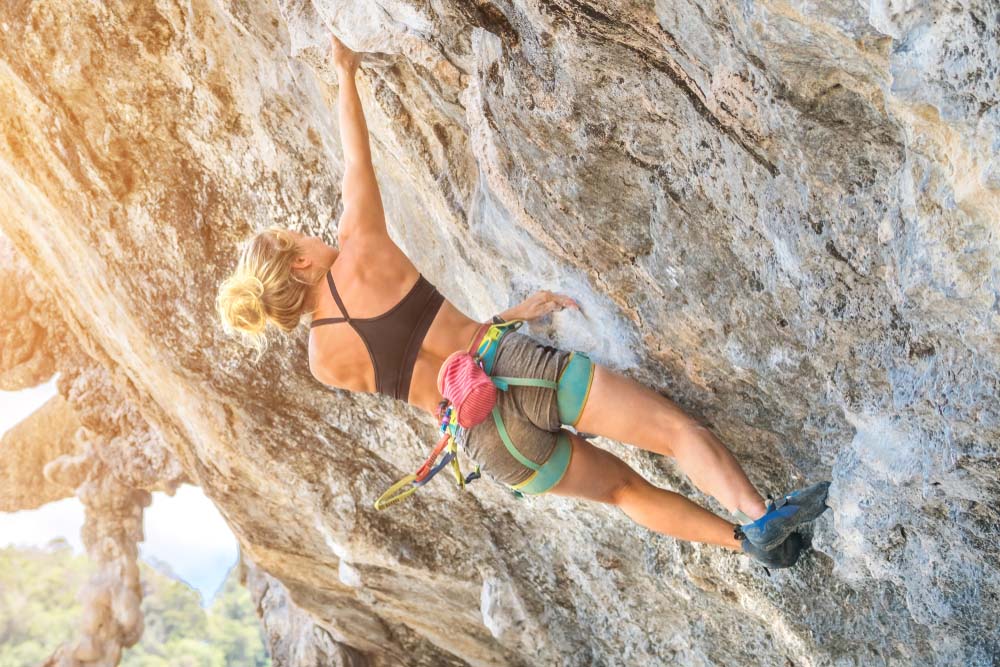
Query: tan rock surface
[(28, 341), (25, 449), (780, 214)]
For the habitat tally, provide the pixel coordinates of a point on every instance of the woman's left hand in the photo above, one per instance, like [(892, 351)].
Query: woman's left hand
[(343, 58), (540, 304)]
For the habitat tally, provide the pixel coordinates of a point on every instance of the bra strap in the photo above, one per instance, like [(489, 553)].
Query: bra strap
[(326, 320), (336, 296)]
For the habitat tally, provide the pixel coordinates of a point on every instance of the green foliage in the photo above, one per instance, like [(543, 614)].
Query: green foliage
[(39, 611), (38, 605)]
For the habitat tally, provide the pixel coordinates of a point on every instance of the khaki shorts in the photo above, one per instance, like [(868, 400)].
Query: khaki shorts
[(531, 415)]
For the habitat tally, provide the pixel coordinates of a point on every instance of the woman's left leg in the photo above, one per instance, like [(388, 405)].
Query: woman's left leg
[(597, 474), (622, 409)]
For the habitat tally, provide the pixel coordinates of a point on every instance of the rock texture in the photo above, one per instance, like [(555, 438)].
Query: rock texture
[(115, 464), (30, 342), (294, 637), (85, 441), (112, 619), (43, 436), (781, 214)]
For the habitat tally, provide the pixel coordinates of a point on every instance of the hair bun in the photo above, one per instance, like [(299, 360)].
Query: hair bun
[(253, 286), (263, 289)]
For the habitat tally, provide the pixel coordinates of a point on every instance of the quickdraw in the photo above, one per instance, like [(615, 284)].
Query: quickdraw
[(406, 487)]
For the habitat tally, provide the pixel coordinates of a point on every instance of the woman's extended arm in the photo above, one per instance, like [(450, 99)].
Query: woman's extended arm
[(363, 213), (537, 305)]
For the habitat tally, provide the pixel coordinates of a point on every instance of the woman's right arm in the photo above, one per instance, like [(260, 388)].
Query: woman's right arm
[(363, 213), (537, 305)]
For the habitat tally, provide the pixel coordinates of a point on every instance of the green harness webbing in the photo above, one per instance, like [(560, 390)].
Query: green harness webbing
[(503, 382)]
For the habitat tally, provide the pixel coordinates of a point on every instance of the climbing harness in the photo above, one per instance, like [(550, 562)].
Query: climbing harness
[(469, 390)]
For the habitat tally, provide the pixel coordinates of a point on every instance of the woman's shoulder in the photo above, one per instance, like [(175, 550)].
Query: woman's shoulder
[(375, 254)]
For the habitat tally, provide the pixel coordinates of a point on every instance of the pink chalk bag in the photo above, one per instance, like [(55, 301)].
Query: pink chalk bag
[(470, 396)]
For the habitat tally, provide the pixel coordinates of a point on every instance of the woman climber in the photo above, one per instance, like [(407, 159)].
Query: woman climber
[(391, 330)]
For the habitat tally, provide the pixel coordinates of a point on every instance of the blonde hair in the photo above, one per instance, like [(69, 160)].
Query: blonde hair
[(263, 289)]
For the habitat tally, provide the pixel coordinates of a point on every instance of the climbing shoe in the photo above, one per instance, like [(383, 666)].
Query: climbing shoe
[(811, 500), (786, 514), (783, 555)]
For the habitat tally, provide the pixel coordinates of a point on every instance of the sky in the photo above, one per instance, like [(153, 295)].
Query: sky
[(185, 531)]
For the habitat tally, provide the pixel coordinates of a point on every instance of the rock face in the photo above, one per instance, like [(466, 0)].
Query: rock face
[(781, 214), (112, 619), (44, 436), (294, 637), (30, 341)]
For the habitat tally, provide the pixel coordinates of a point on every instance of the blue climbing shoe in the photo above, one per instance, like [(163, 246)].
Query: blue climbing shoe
[(782, 555), (787, 513), (811, 500)]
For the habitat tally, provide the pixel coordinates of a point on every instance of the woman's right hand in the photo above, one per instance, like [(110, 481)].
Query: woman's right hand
[(344, 59), (538, 305)]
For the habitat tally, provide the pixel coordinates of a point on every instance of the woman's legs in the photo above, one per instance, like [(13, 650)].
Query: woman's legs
[(624, 410), (597, 474)]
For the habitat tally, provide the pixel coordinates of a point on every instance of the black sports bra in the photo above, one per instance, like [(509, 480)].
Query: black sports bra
[(393, 338)]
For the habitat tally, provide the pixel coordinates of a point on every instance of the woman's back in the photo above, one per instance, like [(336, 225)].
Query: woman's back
[(400, 330)]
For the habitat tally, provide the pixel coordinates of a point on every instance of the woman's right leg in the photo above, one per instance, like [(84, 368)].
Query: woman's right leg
[(619, 408), (597, 474)]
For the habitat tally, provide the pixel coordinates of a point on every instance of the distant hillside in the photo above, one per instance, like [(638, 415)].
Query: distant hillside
[(39, 611)]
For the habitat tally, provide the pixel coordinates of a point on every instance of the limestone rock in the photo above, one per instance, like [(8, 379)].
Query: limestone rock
[(781, 214), (27, 352), (25, 449), (112, 618), (294, 636)]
